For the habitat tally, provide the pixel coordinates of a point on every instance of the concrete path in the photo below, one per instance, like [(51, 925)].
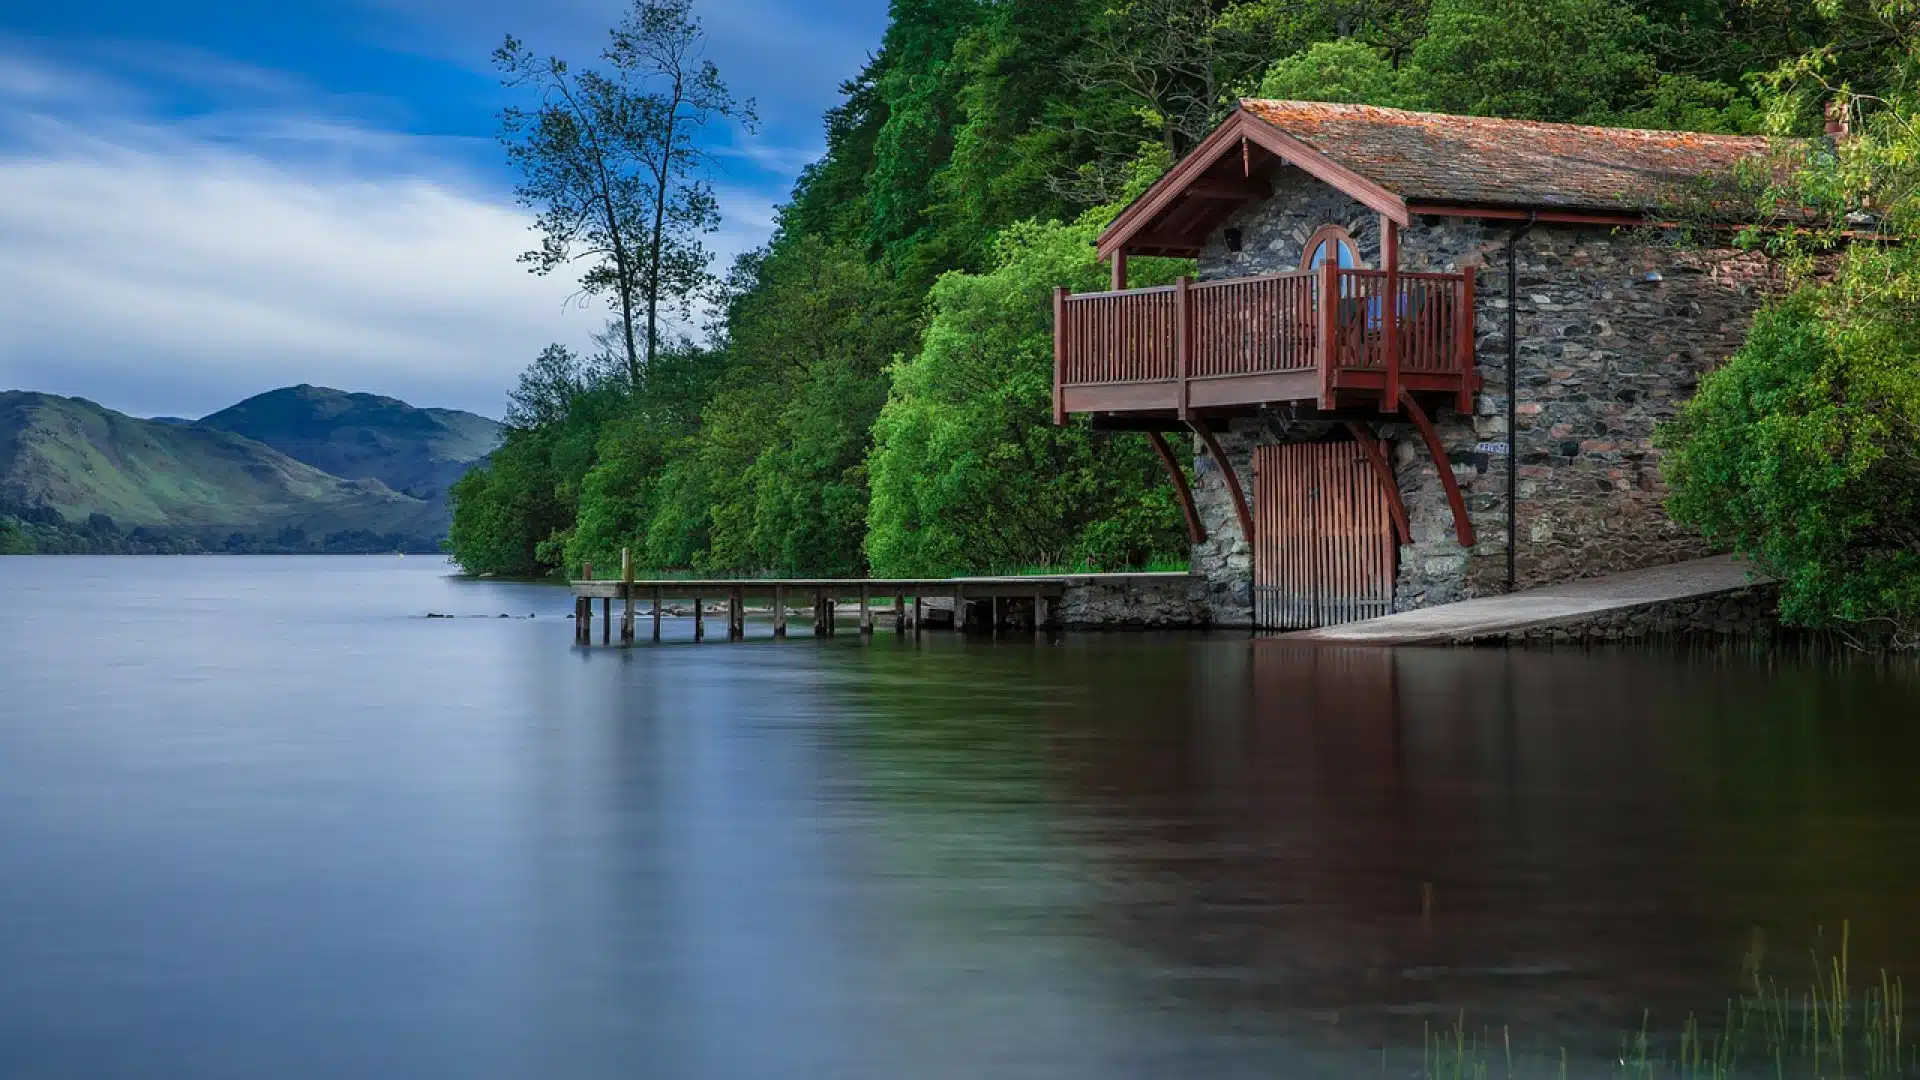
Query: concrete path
[(1533, 608)]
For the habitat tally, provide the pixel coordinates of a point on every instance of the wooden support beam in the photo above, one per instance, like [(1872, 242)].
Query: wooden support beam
[(737, 615), (779, 611), (1462, 528), (1231, 477), (866, 611), (1183, 341), (1059, 356), (1382, 468), (1327, 348), (1119, 270), (959, 608), (658, 599), (999, 615), (1390, 261), (699, 619), (1039, 612), (918, 614), (899, 613), (606, 620), (1196, 530), (1463, 399)]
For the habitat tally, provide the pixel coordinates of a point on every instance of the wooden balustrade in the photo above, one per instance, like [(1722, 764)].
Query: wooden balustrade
[(1248, 325), (1118, 337), (1262, 328)]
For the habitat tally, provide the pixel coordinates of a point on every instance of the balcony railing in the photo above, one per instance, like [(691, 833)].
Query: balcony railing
[(1259, 340)]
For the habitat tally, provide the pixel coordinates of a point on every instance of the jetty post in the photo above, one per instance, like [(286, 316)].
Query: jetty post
[(583, 611), (779, 611), (899, 613), (626, 590), (699, 619), (866, 611), (656, 612)]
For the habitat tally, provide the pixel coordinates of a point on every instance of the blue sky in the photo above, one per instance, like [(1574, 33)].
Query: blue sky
[(200, 201)]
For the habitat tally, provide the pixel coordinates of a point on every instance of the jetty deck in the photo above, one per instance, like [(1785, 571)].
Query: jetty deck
[(900, 601), (1531, 609)]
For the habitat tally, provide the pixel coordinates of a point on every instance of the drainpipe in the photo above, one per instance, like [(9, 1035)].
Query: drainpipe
[(1513, 396)]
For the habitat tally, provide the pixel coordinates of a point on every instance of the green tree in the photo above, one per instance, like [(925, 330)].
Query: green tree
[(968, 471), (611, 164), (1803, 452), (1347, 71), (1563, 60)]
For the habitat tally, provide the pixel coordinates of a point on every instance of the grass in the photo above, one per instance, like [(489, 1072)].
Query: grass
[(1828, 1030)]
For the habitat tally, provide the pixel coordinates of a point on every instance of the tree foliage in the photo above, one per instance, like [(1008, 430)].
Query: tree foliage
[(969, 471), (1803, 452), (611, 163), (872, 394)]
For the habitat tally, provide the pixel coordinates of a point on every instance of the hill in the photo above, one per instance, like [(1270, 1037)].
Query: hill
[(68, 464), (418, 452)]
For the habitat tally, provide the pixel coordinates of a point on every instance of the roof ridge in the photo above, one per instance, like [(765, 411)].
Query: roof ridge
[(1359, 110)]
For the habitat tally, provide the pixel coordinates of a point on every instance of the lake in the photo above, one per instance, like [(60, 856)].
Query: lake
[(261, 817)]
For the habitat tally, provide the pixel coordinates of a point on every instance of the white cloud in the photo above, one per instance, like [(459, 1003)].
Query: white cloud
[(198, 274), (168, 267)]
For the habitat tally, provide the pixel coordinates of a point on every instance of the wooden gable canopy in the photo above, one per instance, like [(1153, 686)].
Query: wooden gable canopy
[(1174, 216)]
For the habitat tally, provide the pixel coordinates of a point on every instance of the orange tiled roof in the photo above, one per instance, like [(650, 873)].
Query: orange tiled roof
[(1483, 160)]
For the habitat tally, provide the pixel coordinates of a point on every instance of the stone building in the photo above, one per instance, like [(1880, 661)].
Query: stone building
[(1489, 427)]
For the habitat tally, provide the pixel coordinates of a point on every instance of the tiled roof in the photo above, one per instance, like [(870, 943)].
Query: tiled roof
[(1433, 157)]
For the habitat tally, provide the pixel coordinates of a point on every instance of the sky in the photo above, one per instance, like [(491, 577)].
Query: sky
[(205, 199)]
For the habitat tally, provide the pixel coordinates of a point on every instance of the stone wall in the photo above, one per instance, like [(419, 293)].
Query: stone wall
[(1134, 603), (1751, 612), (1614, 330)]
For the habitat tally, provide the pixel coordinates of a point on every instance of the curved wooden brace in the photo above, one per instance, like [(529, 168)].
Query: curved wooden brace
[(1377, 457), (1462, 528), (1196, 531), (1227, 471)]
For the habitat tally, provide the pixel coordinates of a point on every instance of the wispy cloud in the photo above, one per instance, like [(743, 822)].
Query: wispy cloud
[(160, 269), (179, 229)]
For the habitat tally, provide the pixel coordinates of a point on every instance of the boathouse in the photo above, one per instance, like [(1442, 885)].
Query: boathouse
[(1422, 358)]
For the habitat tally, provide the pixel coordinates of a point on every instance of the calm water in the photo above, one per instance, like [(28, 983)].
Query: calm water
[(261, 818)]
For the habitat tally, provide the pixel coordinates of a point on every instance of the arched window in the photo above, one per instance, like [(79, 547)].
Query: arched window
[(1330, 242)]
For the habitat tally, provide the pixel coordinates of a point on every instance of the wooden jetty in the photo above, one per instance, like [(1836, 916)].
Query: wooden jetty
[(995, 602)]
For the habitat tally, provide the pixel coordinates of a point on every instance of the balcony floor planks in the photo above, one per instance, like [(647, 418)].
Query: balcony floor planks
[(1228, 391)]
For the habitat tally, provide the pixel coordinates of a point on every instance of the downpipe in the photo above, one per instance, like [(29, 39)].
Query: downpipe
[(1513, 400)]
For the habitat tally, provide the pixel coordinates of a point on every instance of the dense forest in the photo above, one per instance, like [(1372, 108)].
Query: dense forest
[(872, 391)]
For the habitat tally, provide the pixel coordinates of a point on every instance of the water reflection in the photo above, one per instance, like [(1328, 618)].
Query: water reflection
[(1352, 841), (352, 841)]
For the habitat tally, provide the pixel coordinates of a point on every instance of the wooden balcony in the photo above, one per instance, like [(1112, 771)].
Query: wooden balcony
[(1327, 336)]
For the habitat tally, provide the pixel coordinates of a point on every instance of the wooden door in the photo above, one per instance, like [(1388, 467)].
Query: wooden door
[(1324, 551)]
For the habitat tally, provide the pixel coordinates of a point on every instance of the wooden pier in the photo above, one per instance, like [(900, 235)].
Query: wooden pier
[(976, 603)]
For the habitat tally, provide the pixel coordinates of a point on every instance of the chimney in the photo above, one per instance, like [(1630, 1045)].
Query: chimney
[(1838, 128)]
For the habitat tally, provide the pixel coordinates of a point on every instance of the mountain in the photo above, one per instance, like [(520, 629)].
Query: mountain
[(419, 452), (67, 461)]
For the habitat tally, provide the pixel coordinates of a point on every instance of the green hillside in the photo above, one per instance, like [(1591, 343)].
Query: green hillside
[(70, 462), (419, 452)]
